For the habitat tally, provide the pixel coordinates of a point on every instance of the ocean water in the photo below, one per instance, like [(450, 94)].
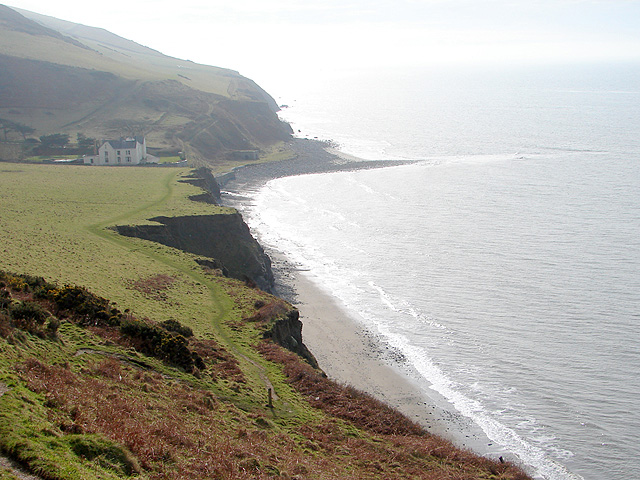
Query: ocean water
[(505, 265)]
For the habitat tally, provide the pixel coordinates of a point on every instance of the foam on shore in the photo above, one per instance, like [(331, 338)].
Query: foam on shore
[(349, 354), (345, 350)]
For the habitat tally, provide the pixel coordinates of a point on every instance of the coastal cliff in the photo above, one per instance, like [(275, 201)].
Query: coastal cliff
[(223, 237), (287, 332), (167, 370), (226, 242), (203, 178)]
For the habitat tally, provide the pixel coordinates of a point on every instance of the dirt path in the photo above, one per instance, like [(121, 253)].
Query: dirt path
[(6, 463), (15, 468)]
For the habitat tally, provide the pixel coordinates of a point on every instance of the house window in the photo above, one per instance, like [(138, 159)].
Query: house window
[(106, 159), (118, 152), (119, 160), (129, 159), (128, 152)]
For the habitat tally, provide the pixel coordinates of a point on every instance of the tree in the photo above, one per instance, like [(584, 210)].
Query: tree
[(5, 125), (24, 130), (11, 126), (54, 140), (84, 142)]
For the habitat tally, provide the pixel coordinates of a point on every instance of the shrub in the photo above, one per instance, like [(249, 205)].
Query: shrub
[(17, 284), (175, 326), (5, 298), (31, 317), (93, 309), (167, 342), (29, 311), (36, 282), (155, 341)]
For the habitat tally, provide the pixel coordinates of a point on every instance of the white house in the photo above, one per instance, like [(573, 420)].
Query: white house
[(126, 151)]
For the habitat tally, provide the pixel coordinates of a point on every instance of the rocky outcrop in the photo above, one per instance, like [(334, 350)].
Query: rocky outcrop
[(227, 243), (204, 179), (287, 332), (223, 237)]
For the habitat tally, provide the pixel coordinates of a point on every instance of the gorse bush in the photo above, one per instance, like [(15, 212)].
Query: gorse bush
[(31, 317), (91, 309), (175, 326), (28, 312), (153, 340), (166, 341), (23, 283)]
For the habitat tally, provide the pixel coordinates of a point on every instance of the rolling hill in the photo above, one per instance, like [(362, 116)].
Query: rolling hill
[(61, 77)]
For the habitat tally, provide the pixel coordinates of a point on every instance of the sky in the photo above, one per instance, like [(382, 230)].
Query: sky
[(261, 37)]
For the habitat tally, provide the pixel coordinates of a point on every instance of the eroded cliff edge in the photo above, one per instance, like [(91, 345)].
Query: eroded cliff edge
[(224, 238), (226, 242)]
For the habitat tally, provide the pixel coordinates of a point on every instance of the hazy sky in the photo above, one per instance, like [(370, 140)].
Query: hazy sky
[(259, 36)]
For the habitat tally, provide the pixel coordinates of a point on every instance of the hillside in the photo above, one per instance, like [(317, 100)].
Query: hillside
[(61, 77), (132, 359)]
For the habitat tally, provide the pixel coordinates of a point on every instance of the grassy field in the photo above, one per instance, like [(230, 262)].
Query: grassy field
[(55, 223), (80, 398)]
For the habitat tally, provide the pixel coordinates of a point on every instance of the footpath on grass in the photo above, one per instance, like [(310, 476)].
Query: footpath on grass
[(220, 299), (101, 230)]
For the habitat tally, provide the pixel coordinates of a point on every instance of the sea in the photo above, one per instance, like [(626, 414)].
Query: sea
[(504, 264)]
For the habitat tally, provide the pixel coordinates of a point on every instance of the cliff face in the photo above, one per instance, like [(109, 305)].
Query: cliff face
[(204, 179), (287, 332), (223, 237)]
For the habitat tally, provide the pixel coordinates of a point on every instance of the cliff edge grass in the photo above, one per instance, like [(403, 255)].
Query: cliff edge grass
[(159, 365)]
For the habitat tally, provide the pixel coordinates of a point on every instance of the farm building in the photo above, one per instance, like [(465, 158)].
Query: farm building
[(126, 151)]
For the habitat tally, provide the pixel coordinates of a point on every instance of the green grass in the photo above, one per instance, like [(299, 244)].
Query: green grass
[(42, 158), (55, 223)]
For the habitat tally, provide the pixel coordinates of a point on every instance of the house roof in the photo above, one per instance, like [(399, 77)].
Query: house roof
[(123, 143)]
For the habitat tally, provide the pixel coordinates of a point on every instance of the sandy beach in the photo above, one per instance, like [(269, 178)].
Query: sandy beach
[(349, 354), (345, 351)]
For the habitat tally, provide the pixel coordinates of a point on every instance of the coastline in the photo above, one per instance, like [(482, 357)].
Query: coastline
[(345, 350), (350, 354), (312, 156)]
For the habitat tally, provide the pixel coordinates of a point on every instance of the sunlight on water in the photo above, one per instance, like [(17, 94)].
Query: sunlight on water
[(504, 267)]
